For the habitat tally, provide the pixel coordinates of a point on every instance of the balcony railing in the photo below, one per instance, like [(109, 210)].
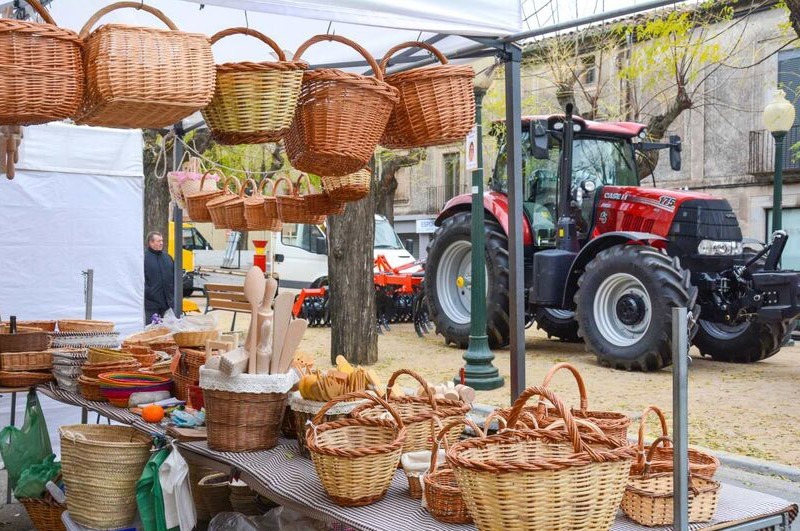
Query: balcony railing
[(762, 152), (439, 195)]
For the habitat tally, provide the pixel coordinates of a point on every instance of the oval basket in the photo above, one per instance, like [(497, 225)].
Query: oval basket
[(292, 207), (197, 202)]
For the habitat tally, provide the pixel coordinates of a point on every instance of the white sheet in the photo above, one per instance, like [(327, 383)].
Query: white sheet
[(75, 204)]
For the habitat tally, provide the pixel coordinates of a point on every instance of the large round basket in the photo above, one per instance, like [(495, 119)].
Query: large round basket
[(140, 77), (197, 202), (243, 422), (253, 102), (437, 103), (356, 458), (101, 465), (41, 70), (303, 411), (340, 116), (540, 479), (292, 207), (45, 514), (417, 413)]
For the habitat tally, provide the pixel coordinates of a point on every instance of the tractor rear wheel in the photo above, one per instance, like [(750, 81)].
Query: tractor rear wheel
[(450, 259), (560, 324), (624, 306), (746, 342)]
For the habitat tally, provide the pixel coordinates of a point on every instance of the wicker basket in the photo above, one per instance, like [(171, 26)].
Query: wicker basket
[(649, 497), (93, 370), (45, 514), (356, 458), (83, 325), (26, 361), (196, 474), (233, 210), (215, 490), (196, 203), (437, 103), (340, 116), (256, 213), (195, 338), (146, 337), (216, 206), (187, 372), (44, 326), (292, 207), (140, 77), (301, 418), (442, 494), (700, 463), (192, 183), (106, 355), (101, 465), (253, 102), (350, 187), (41, 71), (24, 378), (417, 413), (90, 389), (244, 500), (271, 209), (25, 340), (243, 422), (521, 479)]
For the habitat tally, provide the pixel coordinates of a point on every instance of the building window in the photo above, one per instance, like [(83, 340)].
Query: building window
[(589, 70), (452, 174), (789, 76), (790, 218)]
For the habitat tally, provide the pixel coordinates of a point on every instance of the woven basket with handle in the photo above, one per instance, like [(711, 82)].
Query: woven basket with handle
[(661, 455), (197, 202), (350, 187), (253, 102), (292, 207), (255, 211), (139, 77), (356, 458), (41, 70), (649, 497), (520, 479), (234, 209), (216, 206), (437, 103), (340, 116)]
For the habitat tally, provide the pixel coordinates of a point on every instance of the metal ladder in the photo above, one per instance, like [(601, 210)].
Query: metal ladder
[(233, 245)]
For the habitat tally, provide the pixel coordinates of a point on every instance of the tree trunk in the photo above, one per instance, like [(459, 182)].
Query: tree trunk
[(794, 14), (156, 191), (352, 294)]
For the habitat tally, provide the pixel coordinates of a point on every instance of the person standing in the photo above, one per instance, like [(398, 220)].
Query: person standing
[(159, 280)]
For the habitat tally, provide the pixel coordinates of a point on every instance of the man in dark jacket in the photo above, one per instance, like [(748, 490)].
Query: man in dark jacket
[(159, 281)]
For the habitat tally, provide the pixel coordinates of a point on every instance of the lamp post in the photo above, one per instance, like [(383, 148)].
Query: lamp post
[(778, 119), (479, 372)]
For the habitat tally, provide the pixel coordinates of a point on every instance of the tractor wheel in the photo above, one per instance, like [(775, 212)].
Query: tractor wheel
[(450, 258), (746, 342), (560, 324), (624, 306)]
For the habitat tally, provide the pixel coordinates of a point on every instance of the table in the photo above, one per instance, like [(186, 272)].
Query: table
[(285, 477)]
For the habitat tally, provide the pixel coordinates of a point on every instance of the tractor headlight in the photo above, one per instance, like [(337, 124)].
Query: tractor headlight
[(719, 248)]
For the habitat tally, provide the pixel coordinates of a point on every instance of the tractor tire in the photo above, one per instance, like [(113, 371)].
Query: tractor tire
[(624, 306), (560, 324), (748, 342), (449, 255)]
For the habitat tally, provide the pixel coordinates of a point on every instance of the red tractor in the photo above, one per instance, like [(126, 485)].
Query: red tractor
[(606, 260)]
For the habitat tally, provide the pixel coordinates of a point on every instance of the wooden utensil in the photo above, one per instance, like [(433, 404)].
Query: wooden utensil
[(280, 323), (294, 334), (254, 293), (270, 289), (264, 349)]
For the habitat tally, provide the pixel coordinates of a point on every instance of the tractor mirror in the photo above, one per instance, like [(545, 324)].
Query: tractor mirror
[(320, 245), (675, 149), (539, 141)]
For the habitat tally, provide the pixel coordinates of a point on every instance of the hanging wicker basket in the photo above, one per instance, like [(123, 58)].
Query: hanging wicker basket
[(139, 77), (253, 102), (292, 207), (41, 70), (234, 209), (256, 211), (197, 202), (216, 206), (340, 116), (350, 187), (437, 103)]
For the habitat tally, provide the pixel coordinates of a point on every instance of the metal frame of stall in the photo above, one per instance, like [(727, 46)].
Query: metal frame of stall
[(510, 53)]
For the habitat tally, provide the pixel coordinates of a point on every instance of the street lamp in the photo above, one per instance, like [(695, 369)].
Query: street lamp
[(778, 119), (479, 372)]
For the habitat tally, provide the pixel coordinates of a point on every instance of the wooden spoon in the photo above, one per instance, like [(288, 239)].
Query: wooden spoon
[(280, 323), (254, 293), (294, 334), (270, 289)]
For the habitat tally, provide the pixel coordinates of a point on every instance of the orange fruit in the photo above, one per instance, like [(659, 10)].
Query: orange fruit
[(152, 413)]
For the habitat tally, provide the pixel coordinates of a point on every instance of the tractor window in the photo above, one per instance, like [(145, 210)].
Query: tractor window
[(605, 161)]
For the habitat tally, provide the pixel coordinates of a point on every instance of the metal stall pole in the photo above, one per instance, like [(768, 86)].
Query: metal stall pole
[(88, 291), (177, 227), (512, 57), (680, 417)]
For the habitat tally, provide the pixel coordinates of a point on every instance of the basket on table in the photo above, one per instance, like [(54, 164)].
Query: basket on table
[(197, 202), (45, 513), (90, 389), (303, 410), (24, 340), (216, 206), (138, 77), (93, 370), (85, 325), (100, 466), (104, 355), (194, 338), (41, 70), (520, 479), (437, 103), (340, 116), (649, 496), (24, 378), (350, 187), (442, 495), (26, 361), (255, 211), (661, 456), (117, 387), (187, 371), (253, 102), (38, 324), (143, 354), (147, 337), (417, 413), (356, 458), (292, 207)]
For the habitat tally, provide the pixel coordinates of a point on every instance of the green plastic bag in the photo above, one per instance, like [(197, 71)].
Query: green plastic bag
[(33, 479), (26, 446), (149, 498)]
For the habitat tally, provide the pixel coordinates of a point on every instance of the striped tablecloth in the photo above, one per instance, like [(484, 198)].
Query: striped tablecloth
[(287, 478)]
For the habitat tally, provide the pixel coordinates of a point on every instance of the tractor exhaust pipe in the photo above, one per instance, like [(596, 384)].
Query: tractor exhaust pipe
[(567, 229)]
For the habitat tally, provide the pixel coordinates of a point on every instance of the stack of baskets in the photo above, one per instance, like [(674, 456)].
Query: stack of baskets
[(68, 366), (101, 361), (186, 372), (24, 358)]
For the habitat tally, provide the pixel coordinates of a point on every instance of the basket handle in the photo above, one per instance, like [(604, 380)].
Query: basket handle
[(255, 189), (289, 184), (642, 426), (42, 11), (358, 395), (500, 420), (411, 44), (418, 378), (262, 187), (584, 403), (441, 437), (357, 47), (667, 441), (122, 5), (253, 33), (311, 189), (206, 174), (563, 412), (580, 422)]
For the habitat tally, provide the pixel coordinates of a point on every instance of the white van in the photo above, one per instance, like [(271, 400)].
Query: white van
[(301, 252)]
